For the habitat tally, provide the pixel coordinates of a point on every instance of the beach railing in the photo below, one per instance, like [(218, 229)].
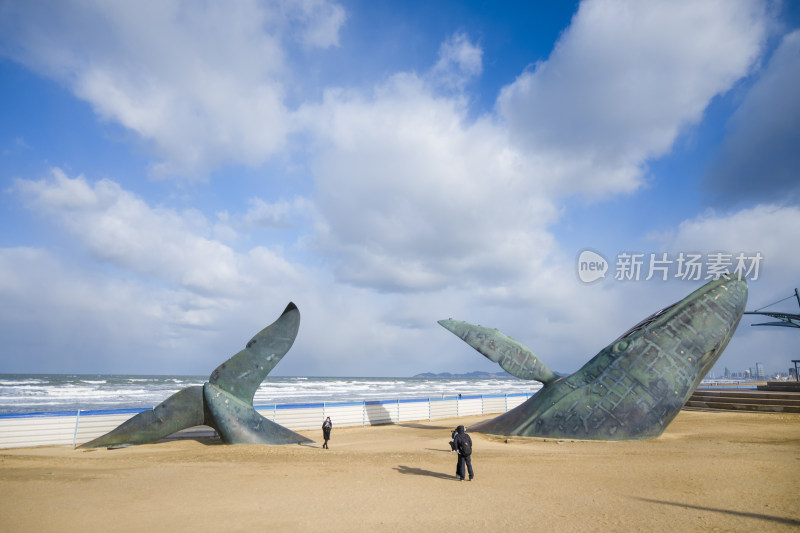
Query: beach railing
[(72, 428)]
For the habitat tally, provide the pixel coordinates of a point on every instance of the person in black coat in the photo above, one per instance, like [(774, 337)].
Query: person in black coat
[(326, 431), (463, 444)]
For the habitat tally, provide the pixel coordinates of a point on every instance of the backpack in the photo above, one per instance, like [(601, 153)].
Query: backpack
[(464, 447)]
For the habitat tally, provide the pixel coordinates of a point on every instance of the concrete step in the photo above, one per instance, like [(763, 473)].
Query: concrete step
[(749, 401), (745, 400), (733, 406), (785, 386), (746, 393)]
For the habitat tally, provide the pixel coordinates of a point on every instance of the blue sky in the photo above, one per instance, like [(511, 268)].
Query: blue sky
[(174, 173)]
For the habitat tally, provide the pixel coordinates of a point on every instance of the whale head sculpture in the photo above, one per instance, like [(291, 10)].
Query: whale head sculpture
[(634, 387)]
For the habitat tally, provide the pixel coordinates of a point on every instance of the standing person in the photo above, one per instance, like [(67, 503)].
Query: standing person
[(463, 444), (453, 442), (326, 431)]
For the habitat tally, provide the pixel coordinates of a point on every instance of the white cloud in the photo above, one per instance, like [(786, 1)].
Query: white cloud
[(118, 227), (413, 196), (142, 315), (203, 83), (145, 319), (767, 229), (60, 318), (459, 62), (760, 159), (622, 82), (321, 21), (275, 214), (174, 300)]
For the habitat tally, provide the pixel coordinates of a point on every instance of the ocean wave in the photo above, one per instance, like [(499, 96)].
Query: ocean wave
[(19, 394)]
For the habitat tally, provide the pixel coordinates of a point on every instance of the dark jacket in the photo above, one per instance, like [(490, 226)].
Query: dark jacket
[(460, 438)]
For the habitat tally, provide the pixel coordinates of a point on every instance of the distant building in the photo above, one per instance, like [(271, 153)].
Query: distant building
[(760, 371), (727, 373)]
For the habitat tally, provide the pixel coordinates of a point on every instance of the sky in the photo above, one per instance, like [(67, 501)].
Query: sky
[(174, 173)]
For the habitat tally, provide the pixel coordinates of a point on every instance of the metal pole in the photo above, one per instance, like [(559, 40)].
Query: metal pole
[(796, 375), (75, 435)]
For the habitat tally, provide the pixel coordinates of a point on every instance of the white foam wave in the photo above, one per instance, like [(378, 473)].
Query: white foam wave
[(38, 393)]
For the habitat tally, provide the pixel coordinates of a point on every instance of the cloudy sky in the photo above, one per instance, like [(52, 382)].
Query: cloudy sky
[(173, 173)]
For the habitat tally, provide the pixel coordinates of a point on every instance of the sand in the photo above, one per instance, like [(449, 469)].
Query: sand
[(710, 471)]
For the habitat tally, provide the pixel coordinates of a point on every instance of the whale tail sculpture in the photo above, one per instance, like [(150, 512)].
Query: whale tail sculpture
[(225, 402), (634, 387)]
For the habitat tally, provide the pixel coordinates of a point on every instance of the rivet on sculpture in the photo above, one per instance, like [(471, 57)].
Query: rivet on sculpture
[(634, 387), (224, 402)]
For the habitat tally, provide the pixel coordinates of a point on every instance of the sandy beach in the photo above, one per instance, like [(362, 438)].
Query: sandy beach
[(710, 471)]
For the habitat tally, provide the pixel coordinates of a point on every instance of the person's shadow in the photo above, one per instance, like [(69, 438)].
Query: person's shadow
[(420, 472)]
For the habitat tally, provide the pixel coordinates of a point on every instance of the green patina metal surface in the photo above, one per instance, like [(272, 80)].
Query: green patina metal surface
[(225, 402), (513, 357), (634, 387)]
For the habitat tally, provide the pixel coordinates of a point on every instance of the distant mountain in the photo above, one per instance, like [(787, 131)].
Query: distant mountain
[(473, 375)]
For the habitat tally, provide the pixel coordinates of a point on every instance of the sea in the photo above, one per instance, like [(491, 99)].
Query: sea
[(44, 393)]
